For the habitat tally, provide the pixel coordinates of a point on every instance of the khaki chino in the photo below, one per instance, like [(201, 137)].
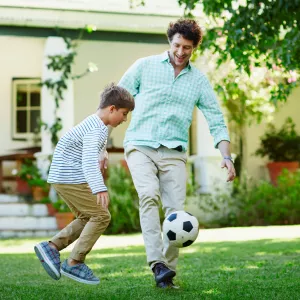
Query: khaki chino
[(91, 220), (158, 175)]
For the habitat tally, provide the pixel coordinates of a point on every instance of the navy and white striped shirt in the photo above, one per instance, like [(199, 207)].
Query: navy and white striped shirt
[(76, 156)]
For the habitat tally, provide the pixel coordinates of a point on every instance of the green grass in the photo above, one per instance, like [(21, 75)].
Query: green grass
[(264, 269)]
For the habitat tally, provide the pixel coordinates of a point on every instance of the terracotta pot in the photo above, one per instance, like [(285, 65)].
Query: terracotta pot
[(63, 219), (38, 193), (22, 187), (51, 210), (275, 169)]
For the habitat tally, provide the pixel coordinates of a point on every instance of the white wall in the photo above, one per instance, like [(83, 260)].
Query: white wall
[(255, 165), (19, 57), (112, 59)]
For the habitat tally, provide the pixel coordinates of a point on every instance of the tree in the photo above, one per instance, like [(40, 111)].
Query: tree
[(256, 33)]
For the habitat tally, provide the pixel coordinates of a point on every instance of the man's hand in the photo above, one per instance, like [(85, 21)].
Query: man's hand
[(103, 161), (103, 199), (227, 163)]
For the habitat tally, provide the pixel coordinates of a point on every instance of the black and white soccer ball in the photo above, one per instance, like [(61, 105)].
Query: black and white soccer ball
[(180, 228)]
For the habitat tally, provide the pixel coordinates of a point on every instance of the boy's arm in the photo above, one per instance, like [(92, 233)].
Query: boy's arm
[(91, 144), (103, 156)]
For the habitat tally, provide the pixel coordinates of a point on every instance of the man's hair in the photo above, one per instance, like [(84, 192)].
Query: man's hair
[(117, 96), (188, 28)]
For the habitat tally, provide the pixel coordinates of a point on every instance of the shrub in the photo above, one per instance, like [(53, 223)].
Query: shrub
[(253, 203), (282, 144), (124, 203)]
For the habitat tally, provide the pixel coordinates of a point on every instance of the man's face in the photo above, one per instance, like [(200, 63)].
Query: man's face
[(181, 50)]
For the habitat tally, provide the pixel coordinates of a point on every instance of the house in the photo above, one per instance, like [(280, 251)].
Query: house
[(123, 34)]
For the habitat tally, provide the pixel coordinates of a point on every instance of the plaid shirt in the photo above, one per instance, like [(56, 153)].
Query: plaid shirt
[(164, 104)]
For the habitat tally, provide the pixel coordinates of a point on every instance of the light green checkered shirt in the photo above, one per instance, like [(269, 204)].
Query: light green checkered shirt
[(164, 105)]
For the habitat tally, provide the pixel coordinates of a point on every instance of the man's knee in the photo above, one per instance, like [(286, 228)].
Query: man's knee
[(149, 197)]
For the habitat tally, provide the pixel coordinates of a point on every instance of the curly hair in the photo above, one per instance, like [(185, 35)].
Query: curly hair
[(188, 28)]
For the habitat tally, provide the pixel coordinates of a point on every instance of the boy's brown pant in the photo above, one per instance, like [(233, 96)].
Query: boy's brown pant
[(91, 220)]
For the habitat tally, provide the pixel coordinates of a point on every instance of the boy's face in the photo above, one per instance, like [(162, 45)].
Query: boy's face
[(181, 50), (117, 116)]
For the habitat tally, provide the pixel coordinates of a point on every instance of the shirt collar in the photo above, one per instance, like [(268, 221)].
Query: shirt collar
[(165, 57)]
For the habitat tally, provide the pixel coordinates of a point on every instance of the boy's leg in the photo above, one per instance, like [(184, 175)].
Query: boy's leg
[(142, 165), (92, 220), (172, 176)]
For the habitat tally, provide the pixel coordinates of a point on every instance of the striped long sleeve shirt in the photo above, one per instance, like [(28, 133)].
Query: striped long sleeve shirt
[(164, 105), (75, 159)]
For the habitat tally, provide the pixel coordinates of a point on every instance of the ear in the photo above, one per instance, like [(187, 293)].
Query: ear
[(112, 108)]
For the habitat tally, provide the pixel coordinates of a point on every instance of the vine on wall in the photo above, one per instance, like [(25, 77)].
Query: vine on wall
[(63, 63)]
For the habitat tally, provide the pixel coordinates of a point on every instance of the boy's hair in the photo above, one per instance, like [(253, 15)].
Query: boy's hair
[(117, 96), (188, 28)]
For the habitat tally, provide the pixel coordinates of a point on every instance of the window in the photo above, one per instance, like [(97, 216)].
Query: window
[(26, 108)]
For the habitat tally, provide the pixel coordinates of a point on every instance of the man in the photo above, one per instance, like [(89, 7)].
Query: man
[(166, 88)]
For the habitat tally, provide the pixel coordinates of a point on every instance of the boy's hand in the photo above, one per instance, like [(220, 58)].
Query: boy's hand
[(103, 161), (103, 199)]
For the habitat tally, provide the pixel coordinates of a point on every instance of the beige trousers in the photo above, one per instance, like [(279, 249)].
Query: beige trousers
[(158, 175), (91, 220)]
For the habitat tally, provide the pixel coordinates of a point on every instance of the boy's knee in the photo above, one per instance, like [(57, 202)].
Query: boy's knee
[(103, 217)]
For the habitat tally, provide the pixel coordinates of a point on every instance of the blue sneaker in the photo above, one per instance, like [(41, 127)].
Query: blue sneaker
[(80, 272), (50, 259)]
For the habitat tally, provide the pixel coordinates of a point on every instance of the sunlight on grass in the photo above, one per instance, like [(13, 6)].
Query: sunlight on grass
[(107, 255), (189, 250), (132, 273), (251, 267), (96, 265), (225, 268), (212, 292), (261, 253)]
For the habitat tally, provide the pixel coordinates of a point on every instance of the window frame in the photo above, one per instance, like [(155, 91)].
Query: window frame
[(17, 136)]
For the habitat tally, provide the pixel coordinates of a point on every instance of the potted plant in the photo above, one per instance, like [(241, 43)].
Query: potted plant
[(30, 173), (51, 209), (282, 147), (64, 216)]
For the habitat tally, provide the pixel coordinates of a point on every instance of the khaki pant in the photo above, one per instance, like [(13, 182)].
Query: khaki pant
[(91, 220), (158, 174)]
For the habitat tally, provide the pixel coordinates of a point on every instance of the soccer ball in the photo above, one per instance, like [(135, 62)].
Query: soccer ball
[(180, 228)]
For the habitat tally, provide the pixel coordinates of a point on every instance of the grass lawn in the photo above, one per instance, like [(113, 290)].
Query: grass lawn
[(256, 269)]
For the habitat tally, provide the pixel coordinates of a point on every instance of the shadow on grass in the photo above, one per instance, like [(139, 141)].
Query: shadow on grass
[(264, 269)]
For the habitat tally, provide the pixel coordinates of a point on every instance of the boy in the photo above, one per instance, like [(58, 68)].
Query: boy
[(75, 175)]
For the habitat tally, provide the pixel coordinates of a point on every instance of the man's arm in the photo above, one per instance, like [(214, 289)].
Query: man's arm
[(131, 82), (210, 108), (224, 147)]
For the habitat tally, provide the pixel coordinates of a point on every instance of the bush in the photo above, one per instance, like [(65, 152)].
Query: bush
[(257, 204), (124, 203)]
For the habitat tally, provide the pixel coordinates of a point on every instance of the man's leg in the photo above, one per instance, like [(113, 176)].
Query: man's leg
[(144, 174), (172, 178)]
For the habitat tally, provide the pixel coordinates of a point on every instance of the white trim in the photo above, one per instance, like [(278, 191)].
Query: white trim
[(27, 108)]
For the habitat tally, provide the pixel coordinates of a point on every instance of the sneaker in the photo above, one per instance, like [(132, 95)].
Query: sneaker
[(161, 272), (80, 272), (50, 259), (167, 284)]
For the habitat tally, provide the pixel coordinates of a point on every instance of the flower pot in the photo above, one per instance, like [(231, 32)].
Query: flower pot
[(63, 219), (22, 187), (275, 169), (38, 193), (51, 210)]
